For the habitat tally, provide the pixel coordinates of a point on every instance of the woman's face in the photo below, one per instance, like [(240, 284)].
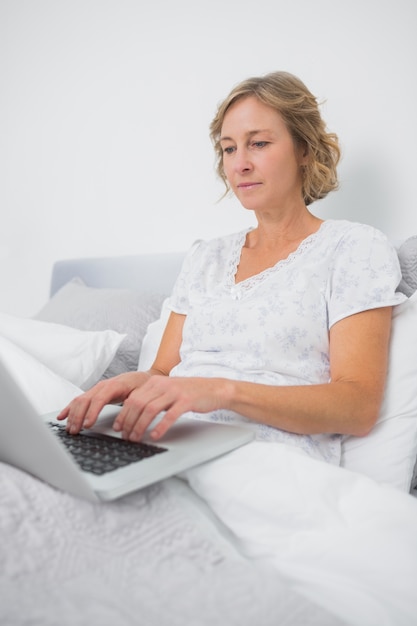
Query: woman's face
[(261, 161)]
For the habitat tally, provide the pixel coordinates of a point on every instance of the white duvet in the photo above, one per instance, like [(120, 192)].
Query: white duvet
[(338, 537), (293, 542)]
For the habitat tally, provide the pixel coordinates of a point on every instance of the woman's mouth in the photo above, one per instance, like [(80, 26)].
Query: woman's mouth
[(248, 186)]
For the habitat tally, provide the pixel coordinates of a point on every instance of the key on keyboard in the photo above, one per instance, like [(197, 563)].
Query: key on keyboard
[(99, 453)]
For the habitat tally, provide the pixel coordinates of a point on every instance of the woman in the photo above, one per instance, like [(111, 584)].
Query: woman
[(284, 326)]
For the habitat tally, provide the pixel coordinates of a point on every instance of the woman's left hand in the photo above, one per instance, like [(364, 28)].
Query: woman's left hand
[(173, 395)]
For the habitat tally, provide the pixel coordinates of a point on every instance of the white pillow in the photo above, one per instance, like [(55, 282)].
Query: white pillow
[(78, 356), (90, 308), (388, 453), (152, 338), (44, 389)]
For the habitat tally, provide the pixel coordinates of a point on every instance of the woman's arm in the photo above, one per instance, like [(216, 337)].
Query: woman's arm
[(348, 404)]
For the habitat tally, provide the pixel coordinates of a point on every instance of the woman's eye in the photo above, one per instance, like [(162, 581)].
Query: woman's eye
[(228, 150), (259, 144)]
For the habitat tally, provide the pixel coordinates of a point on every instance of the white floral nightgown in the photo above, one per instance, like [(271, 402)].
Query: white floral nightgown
[(273, 328)]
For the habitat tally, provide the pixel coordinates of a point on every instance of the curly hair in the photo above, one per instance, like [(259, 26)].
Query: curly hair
[(299, 109)]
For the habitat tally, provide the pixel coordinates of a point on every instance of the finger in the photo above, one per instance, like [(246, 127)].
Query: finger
[(83, 412), (85, 409), (167, 421), (133, 407), (94, 409), (64, 413), (76, 413), (138, 419), (126, 417)]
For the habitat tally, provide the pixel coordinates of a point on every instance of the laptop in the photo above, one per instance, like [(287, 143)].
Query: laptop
[(35, 444)]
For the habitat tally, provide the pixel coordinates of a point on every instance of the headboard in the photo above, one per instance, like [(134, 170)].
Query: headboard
[(155, 272)]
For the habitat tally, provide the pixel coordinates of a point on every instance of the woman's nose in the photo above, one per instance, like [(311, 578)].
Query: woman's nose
[(242, 162)]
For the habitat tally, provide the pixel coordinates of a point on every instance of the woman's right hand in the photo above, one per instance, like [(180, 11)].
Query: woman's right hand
[(83, 411)]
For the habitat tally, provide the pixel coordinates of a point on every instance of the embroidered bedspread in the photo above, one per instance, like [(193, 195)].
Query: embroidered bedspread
[(151, 558)]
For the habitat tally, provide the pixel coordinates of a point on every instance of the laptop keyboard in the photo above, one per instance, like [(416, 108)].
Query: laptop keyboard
[(98, 454)]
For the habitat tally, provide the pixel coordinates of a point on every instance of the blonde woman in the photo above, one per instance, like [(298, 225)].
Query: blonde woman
[(284, 326)]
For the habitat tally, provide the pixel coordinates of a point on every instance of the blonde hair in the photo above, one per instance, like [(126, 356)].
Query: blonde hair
[(299, 109)]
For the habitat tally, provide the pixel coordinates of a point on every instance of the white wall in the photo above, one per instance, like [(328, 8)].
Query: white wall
[(105, 106)]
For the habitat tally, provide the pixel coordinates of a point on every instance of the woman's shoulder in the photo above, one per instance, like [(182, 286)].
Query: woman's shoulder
[(206, 253), (346, 230), (356, 244), (222, 243)]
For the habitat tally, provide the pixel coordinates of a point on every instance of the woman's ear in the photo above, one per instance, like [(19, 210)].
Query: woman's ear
[(304, 153)]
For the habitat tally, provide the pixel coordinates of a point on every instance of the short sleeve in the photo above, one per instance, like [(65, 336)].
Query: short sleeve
[(365, 274), (178, 302)]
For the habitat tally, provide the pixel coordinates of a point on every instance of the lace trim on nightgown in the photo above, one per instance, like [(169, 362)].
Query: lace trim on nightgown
[(253, 281)]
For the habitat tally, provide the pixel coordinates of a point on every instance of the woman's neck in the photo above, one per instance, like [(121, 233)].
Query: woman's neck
[(268, 244), (273, 234)]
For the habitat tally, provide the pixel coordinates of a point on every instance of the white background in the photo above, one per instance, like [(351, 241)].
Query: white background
[(105, 108)]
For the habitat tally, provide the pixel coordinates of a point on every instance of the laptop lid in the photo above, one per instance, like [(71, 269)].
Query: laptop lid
[(28, 443)]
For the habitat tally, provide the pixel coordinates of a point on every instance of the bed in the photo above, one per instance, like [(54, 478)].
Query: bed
[(259, 535)]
